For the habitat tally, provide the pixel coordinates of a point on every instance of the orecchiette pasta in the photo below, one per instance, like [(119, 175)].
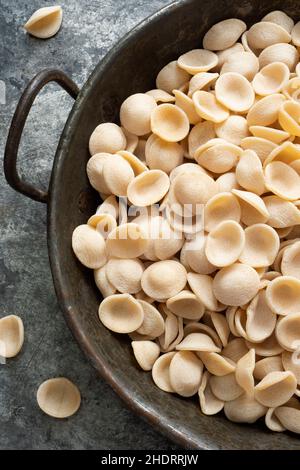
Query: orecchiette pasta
[(196, 246)]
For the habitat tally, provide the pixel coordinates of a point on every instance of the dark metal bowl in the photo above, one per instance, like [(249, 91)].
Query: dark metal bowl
[(131, 67)]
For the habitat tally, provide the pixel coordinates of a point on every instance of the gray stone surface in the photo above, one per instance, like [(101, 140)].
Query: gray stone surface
[(90, 28)]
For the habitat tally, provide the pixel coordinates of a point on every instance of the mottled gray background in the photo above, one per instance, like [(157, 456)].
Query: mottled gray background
[(90, 28)]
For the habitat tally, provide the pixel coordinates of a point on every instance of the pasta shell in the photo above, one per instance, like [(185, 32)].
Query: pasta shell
[(220, 208), (164, 279), (103, 223), (261, 321), (148, 188), (197, 60), (267, 348), (107, 138), (296, 34), (244, 63), (137, 166), (89, 246), (45, 22), (161, 96), (135, 113), (58, 397), (193, 327), (171, 77), (288, 331), (289, 364), (223, 34), (199, 135), (225, 387), (202, 286), (267, 365), (208, 107), (272, 422), (162, 155), (290, 261), (127, 241), (125, 275), (224, 55), (225, 243), (196, 257), (275, 135), (282, 213), (261, 246), (117, 174), (249, 172), (184, 102), (264, 34), (283, 295), (121, 313), (227, 182), (186, 305), (209, 404), (94, 171), (11, 336), (146, 353), (103, 284), (281, 52), (247, 48), (216, 364), (172, 334), (288, 117), (217, 156), (271, 79), (185, 372), (194, 189), (198, 342), (235, 349), (281, 18), (201, 81), (262, 147), (234, 91), (289, 418), (234, 129), (160, 372), (244, 409), (221, 326), (275, 389), (169, 122), (253, 208), (186, 168), (265, 111), (236, 284)]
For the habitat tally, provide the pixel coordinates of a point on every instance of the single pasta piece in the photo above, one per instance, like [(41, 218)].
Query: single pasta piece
[(264, 34), (197, 60), (249, 172), (135, 113), (282, 180), (223, 34), (58, 397), (137, 166), (127, 241), (107, 138), (160, 372), (253, 208), (275, 389), (290, 264), (265, 111), (288, 117), (217, 364), (261, 146), (185, 372), (283, 295), (208, 107), (171, 77), (287, 331), (244, 372), (199, 135), (161, 96), (170, 123), (186, 305), (146, 353), (288, 418), (281, 52), (244, 409), (236, 284), (224, 55), (245, 63), (275, 135), (121, 313), (11, 336), (184, 102), (117, 173), (217, 155), (261, 320), (281, 18), (271, 79), (225, 387), (103, 284), (164, 279), (153, 323), (261, 246), (202, 80), (89, 246), (162, 155), (269, 364), (45, 22), (234, 91), (198, 342), (221, 207), (148, 188), (209, 404), (125, 274), (234, 129), (225, 243)]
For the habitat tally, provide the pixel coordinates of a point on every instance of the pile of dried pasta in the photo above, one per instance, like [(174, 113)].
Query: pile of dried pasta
[(212, 309)]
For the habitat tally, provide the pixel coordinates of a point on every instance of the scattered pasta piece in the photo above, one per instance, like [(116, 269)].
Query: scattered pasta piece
[(58, 397)]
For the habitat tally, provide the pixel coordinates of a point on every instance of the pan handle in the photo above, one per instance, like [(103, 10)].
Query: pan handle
[(17, 125)]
